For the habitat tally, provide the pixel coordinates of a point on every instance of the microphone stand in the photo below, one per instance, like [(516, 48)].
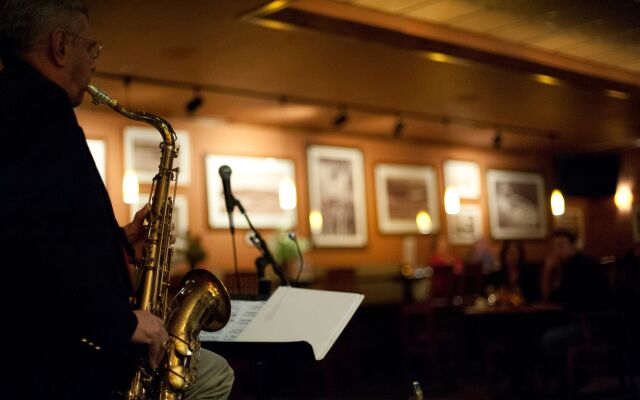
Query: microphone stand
[(267, 257)]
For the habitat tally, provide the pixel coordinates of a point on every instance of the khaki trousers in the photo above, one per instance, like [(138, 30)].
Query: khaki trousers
[(214, 378)]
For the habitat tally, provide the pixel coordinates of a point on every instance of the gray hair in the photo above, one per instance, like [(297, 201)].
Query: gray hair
[(24, 23)]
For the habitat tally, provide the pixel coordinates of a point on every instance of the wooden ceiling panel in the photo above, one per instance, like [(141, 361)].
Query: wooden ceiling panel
[(483, 21), (443, 11), (206, 43), (398, 6)]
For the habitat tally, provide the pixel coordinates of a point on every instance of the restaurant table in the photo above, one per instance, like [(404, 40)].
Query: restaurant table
[(523, 309)]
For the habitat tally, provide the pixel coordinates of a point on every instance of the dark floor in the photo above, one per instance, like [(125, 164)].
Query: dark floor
[(367, 362)]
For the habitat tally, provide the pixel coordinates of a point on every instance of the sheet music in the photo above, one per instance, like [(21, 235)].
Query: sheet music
[(293, 314), (290, 315), (242, 312)]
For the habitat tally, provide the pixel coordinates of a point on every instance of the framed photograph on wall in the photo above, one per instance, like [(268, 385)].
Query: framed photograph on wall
[(336, 191), (180, 216), (260, 184), (466, 226), (98, 149), (572, 220), (142, 154), (517, 205), (635, 223), (401, 192), (465, 176)]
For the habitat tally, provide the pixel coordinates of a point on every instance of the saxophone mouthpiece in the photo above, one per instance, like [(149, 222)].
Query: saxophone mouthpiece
[(98, 96)]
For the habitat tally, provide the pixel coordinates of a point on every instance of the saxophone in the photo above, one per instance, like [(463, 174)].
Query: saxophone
[(202, 302)]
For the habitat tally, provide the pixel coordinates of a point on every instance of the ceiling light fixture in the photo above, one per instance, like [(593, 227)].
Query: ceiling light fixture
[(398, 129), (497, 139), (195, 103), (341, 118)]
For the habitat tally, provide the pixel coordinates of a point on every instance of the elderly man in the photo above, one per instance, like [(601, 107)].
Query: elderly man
[(66, 285)]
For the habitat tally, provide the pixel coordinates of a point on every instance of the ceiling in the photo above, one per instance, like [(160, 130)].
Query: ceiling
[(606, 32), (296, 64)]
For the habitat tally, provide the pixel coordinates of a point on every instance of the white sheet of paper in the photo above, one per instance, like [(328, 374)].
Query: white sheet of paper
[(292, 314), (242, 312)]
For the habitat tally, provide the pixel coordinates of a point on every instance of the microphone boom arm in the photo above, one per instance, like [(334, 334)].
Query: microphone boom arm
[(262, 246)]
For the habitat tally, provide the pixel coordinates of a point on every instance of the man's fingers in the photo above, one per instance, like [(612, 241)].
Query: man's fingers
[(141, 213), (156, 351)]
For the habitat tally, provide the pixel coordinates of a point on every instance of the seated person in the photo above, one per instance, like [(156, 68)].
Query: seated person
[(482, 255), (575, 281), (516, 280), (571, 278), (442, 256)]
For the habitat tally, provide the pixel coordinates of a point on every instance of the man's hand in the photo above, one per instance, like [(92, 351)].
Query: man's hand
[(135, 230), (151, 331)]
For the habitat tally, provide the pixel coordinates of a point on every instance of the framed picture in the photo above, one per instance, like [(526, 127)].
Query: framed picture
[(572, 220), (517, 205), (180, 216), (635, 223), (142, 154), (98, 149), (336, 191), (465, 176), (401, 192), (258, 183), (466, 226)]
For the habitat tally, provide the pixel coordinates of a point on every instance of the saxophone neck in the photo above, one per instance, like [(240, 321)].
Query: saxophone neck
[(99, 96)]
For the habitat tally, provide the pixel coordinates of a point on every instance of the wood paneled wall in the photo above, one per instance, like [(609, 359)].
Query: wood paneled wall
[(608, 230)]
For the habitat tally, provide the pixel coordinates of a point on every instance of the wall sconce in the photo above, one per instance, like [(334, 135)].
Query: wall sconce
[(424, 222), (130, 187), (557, 202), (451, 200), (623, 198), (287, 194), (315, 222)]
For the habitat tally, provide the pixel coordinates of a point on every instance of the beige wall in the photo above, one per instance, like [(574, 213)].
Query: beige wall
[(607, 230)]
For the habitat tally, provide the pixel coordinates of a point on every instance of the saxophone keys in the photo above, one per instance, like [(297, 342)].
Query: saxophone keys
[(183, 349), (177, 377)]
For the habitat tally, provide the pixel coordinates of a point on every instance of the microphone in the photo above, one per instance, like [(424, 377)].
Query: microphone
[(225, 174)]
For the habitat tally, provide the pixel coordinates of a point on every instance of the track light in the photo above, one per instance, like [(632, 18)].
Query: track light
[(341, 118), (195, 102), (398, 130), (497, 139)]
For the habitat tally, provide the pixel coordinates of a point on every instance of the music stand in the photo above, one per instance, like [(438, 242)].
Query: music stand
[(294, 325)]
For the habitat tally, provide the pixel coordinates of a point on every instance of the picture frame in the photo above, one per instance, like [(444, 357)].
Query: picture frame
[(517, 205), (98, 149), (465, 176), (635, 223), (142, 153), (465, 228), (401, 192), (572, 220), (337, 192), (256, 183), (180, 216)]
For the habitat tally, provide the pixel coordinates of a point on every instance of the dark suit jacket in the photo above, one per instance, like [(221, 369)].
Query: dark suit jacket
[(583, 285), (64, 279)]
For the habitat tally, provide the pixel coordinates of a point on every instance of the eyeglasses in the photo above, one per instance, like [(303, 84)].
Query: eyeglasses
[(94, 48)]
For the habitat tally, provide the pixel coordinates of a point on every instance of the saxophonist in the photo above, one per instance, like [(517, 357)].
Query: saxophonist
[(65, 282)]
